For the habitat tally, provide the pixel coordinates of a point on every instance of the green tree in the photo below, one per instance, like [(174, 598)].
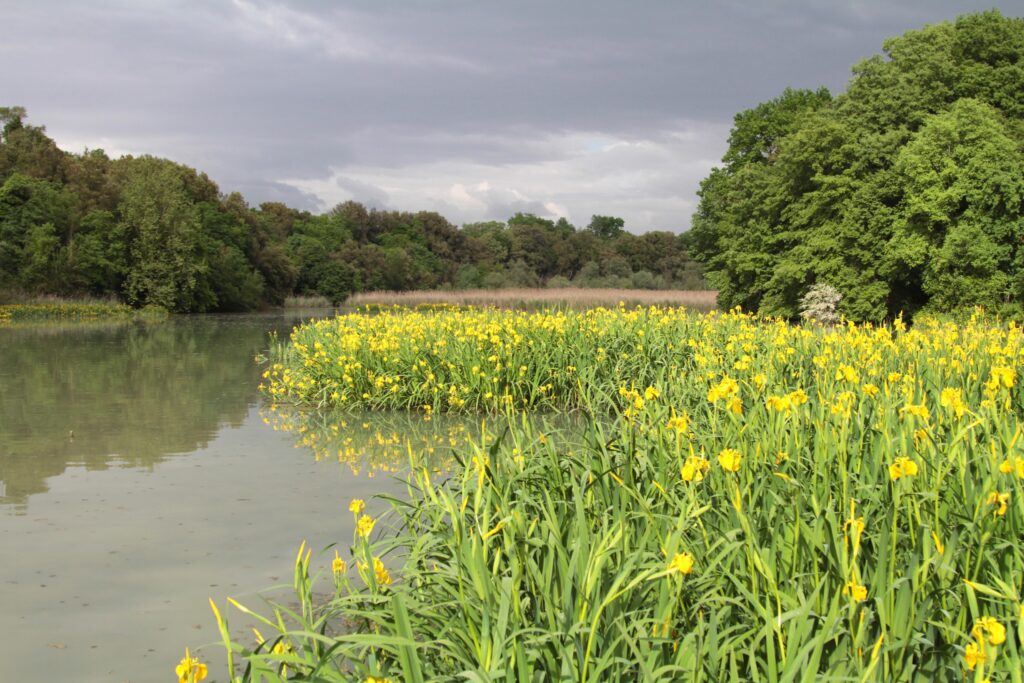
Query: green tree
[(533, 245), (963, 217), (235, 285), (757, 132), (154, 231), (606, 227), (27, 149), (876, 190), (97, 260), (41, 266), (33, 213), (162, 229)]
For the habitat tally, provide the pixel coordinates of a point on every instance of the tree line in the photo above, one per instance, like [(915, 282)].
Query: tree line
[(905, 193), (152, 231)]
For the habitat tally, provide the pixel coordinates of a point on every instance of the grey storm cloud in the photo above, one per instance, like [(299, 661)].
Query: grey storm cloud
[(474, 109)]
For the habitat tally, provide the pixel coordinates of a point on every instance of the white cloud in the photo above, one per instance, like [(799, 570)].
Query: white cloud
[(556, 209), (650, 182)]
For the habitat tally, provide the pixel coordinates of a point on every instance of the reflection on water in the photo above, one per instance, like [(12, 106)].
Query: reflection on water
[(390, 442), (129, 393), (370, 443), (138, 479)]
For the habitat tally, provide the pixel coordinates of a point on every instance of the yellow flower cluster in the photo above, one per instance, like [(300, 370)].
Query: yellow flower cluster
[(694, 468), (743, 440), (725, 389), (338, 565), (1013, 465), (856, 591), (988, 634), (999, 502), (679, 423), (364, 527), (786, 403), (903, 467), (380, 573)]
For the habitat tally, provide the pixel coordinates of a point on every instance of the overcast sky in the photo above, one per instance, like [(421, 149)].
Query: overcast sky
[(476, 109)]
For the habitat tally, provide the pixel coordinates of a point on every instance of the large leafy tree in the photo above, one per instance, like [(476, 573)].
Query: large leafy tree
[(162, 229), (27, 149), (32, 214), (904, 192), (962, 222)]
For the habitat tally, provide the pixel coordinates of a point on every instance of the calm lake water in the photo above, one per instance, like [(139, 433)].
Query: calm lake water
[(138, 477)]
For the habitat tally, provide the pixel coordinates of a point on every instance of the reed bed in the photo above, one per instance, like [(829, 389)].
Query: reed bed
[(576, 297), (749, 500)]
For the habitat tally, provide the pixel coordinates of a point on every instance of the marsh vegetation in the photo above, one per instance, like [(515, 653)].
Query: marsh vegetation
[(747, 498)]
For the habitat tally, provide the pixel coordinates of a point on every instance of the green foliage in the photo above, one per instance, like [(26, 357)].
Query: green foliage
[(606, 227), (905, 192), (27, 150), (162, 231), (30, 210), (964, 188), (468, 277), (758, 131), (97, 261), (235, 284)]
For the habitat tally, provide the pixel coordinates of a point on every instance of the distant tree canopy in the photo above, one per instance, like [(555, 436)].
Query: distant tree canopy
[(151, 231), (905, 193)]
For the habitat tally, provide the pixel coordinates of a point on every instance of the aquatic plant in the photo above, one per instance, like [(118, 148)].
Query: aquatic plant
[(77, 311), (751, 501)]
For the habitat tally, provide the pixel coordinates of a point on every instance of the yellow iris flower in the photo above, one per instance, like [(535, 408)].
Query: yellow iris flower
[(682, 563), (365, 526), (190, 669), (730, 460)]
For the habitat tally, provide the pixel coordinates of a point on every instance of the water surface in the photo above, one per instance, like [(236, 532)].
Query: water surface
[(138, 477)]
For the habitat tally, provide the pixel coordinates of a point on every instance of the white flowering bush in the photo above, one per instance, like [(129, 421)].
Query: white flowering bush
[(821, 304)]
